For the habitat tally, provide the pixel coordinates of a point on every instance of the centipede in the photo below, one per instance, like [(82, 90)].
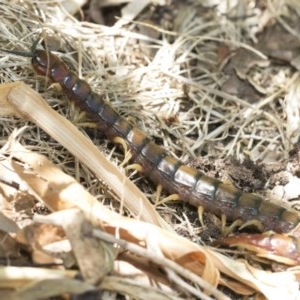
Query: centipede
[(190, 184)]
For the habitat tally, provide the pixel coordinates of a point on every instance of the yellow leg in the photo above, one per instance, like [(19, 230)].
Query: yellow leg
[(239, 224), (127, 154), (229, 229), (200, 211), (157, 194), (136, 167), (173, 197), (255, 223)]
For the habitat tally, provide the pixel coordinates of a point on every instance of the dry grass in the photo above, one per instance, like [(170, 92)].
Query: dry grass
[(174, 95), (168, 83)]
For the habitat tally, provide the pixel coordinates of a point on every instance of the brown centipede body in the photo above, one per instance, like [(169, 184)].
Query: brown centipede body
[(190, 184)]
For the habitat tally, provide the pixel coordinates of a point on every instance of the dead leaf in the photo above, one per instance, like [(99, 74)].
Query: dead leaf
[(94, 257), (277, 43), (237, 70), (40, 236)]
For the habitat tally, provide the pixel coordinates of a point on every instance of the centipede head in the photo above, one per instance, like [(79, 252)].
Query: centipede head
[(41, 60)]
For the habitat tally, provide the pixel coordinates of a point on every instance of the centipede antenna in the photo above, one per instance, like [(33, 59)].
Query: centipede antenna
[(19, 53), (25, 54)]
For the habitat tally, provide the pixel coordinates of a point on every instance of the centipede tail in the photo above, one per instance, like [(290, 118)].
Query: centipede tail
[(191, 185)]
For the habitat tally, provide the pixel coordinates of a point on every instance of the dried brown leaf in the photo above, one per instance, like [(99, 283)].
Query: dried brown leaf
[(38, 238), (94, 257), (276, 42), (237, 70), (51, 287)]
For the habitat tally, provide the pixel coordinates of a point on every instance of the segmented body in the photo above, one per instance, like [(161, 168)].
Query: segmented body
[(190, 184)]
